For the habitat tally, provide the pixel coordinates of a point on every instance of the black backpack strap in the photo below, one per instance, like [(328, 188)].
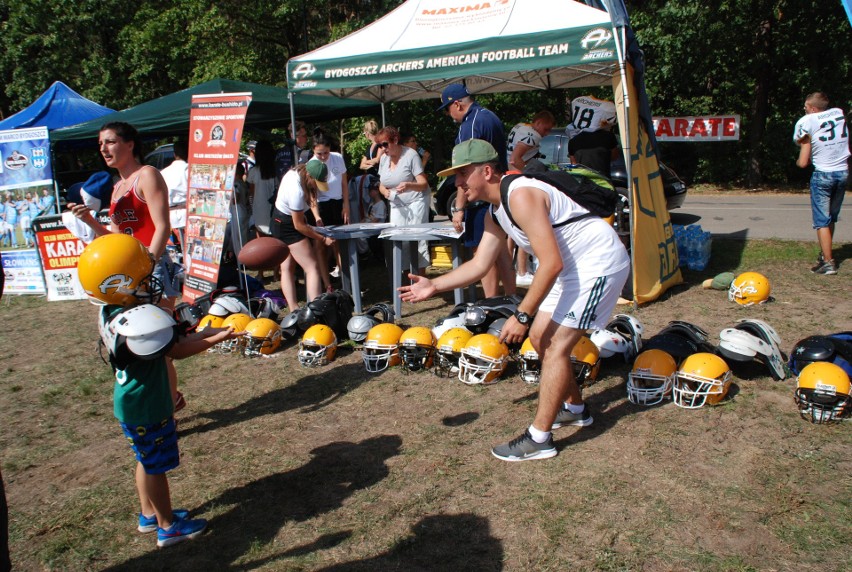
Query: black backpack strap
[(504, 200)]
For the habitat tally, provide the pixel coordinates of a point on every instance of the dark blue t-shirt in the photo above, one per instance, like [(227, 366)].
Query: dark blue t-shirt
[(481, 123)]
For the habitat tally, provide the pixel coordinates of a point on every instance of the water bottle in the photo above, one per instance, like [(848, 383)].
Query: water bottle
[(691, 250), (706, 249)]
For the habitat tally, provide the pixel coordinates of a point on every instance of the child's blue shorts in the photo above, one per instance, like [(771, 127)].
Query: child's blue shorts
[(155, 445)]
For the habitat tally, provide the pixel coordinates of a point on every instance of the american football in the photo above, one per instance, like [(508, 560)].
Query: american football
[(264, 253)]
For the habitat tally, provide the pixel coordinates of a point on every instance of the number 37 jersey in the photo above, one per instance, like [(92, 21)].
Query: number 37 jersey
[(829, 135)]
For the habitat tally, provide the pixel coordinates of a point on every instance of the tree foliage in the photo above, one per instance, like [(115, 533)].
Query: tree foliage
[(758, 59)]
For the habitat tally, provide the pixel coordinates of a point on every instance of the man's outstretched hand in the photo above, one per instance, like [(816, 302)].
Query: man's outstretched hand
[(421, 288)]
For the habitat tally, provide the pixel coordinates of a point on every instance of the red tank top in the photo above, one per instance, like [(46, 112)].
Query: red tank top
[(130, 214)]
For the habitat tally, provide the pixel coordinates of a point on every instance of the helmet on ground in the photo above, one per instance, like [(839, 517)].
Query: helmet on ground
[(834, 348), (749, 288), (318, 346), (702, 378), (117, 269), (630, 328), (651, 379), (610, 343), (416, 348), (483, 360), (823, 393), (264, 308), (586, 361), (530, 362), (448, 350), (360, 324), (264, 337), (381, 349), (238, 322), (211, 321), (739, 345), (290, 324), (224, 306), (444, 324)]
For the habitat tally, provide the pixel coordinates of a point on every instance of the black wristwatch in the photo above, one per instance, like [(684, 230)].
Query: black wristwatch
[(523, 318)]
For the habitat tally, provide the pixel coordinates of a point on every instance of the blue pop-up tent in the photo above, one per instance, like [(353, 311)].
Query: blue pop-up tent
[(59, 106)]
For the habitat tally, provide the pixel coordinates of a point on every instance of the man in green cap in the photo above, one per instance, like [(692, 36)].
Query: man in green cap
[(582, 268)]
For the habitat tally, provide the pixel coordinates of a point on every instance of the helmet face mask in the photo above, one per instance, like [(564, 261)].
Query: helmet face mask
[(650, 381), (263, 337), (585, 359), (483, 360), (381, 349), (702, 378), (530, 369), (823, 393), (416, 349), (318, 346), (235, 345)]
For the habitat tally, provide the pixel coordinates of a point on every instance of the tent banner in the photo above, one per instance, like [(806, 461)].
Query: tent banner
[(655, 262), (22, 272), (698, 129), (25, 158), (215, 130)]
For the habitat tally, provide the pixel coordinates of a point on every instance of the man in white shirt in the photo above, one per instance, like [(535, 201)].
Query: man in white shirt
[(176, 176), (823, 137)]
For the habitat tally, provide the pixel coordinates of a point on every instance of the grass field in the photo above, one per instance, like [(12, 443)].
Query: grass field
[(337, 469)]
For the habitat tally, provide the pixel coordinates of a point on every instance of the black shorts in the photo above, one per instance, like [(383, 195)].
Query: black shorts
[(331, 212), (283, 229)]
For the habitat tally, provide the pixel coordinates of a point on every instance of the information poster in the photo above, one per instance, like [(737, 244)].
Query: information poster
[(215, 130), (22, 271)]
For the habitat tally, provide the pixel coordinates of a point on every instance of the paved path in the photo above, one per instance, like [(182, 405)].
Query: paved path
[(759, 216)]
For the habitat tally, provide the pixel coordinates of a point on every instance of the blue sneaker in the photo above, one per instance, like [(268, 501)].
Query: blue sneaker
[(180, 530), (149, 523)]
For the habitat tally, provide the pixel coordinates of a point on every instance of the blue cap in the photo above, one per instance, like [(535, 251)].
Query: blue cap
[(451, 93)]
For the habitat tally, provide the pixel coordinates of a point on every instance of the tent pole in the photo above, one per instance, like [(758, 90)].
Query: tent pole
[(384, 119), (292, 132)]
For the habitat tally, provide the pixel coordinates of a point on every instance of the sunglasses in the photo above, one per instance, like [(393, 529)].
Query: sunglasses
[(383, 144)]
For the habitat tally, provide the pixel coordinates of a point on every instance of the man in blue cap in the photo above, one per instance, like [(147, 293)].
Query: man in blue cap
[(477, 122)]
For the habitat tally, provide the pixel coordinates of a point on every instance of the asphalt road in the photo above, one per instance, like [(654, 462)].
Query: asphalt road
[(759, 216)]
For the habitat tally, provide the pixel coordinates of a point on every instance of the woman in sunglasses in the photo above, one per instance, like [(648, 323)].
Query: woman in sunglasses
[(405, 186)]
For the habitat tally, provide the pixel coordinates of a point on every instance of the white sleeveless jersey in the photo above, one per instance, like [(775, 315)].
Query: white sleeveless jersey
[(829, 135), (523, 133), (590, 114), (589, 247)]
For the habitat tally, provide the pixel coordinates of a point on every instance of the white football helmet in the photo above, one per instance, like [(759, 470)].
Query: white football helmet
[(610, 343), (224, 306)]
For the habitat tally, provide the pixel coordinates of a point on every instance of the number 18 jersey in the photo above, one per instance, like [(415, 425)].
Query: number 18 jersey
[(589, 113)]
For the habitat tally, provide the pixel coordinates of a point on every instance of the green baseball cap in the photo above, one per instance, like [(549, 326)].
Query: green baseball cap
[(470, 152), (319, 173)]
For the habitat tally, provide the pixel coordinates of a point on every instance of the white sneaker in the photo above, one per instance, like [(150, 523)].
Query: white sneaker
[(523, 279), (335, 273)]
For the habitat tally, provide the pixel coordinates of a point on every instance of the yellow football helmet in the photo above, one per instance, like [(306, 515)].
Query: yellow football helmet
[(318, 346), (651, 379), (586, 360), (416, 348), (702, 378), (116, 269), (448, 350), (749, 288), (483, 360), (530, 362), (238, 322), (264, 337), (381, 349), (823, 393), (211, 321)]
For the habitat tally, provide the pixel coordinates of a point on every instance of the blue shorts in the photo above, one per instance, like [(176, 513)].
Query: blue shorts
[(168, 273), (155, 445), (474, 224), (827, 191)]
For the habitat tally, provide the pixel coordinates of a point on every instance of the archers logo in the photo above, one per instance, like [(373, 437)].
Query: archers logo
[(116, 283), (304, 70), (596, 38)]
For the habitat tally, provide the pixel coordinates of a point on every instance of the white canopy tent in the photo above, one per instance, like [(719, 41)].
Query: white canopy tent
[(420, 47)]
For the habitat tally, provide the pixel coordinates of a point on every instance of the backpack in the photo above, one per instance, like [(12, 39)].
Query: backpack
[(333, 309), (586, 187)]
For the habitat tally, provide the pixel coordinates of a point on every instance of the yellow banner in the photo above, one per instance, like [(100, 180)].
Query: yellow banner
[(655, 262)]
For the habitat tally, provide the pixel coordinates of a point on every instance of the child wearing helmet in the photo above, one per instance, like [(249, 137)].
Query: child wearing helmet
[(139, 336)]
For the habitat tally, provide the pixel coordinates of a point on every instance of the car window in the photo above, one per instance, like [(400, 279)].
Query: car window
[(554, 148)]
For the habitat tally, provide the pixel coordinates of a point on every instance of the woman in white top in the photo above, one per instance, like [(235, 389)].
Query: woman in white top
[(405, 186), (297, 191)]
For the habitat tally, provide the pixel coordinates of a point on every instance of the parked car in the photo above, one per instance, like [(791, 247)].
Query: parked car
[(161, 157), (554, 149)]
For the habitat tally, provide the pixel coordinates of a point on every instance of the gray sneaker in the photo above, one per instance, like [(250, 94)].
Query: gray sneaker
[(565, 418), (827, 267), (820, 261), (523, 448)]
